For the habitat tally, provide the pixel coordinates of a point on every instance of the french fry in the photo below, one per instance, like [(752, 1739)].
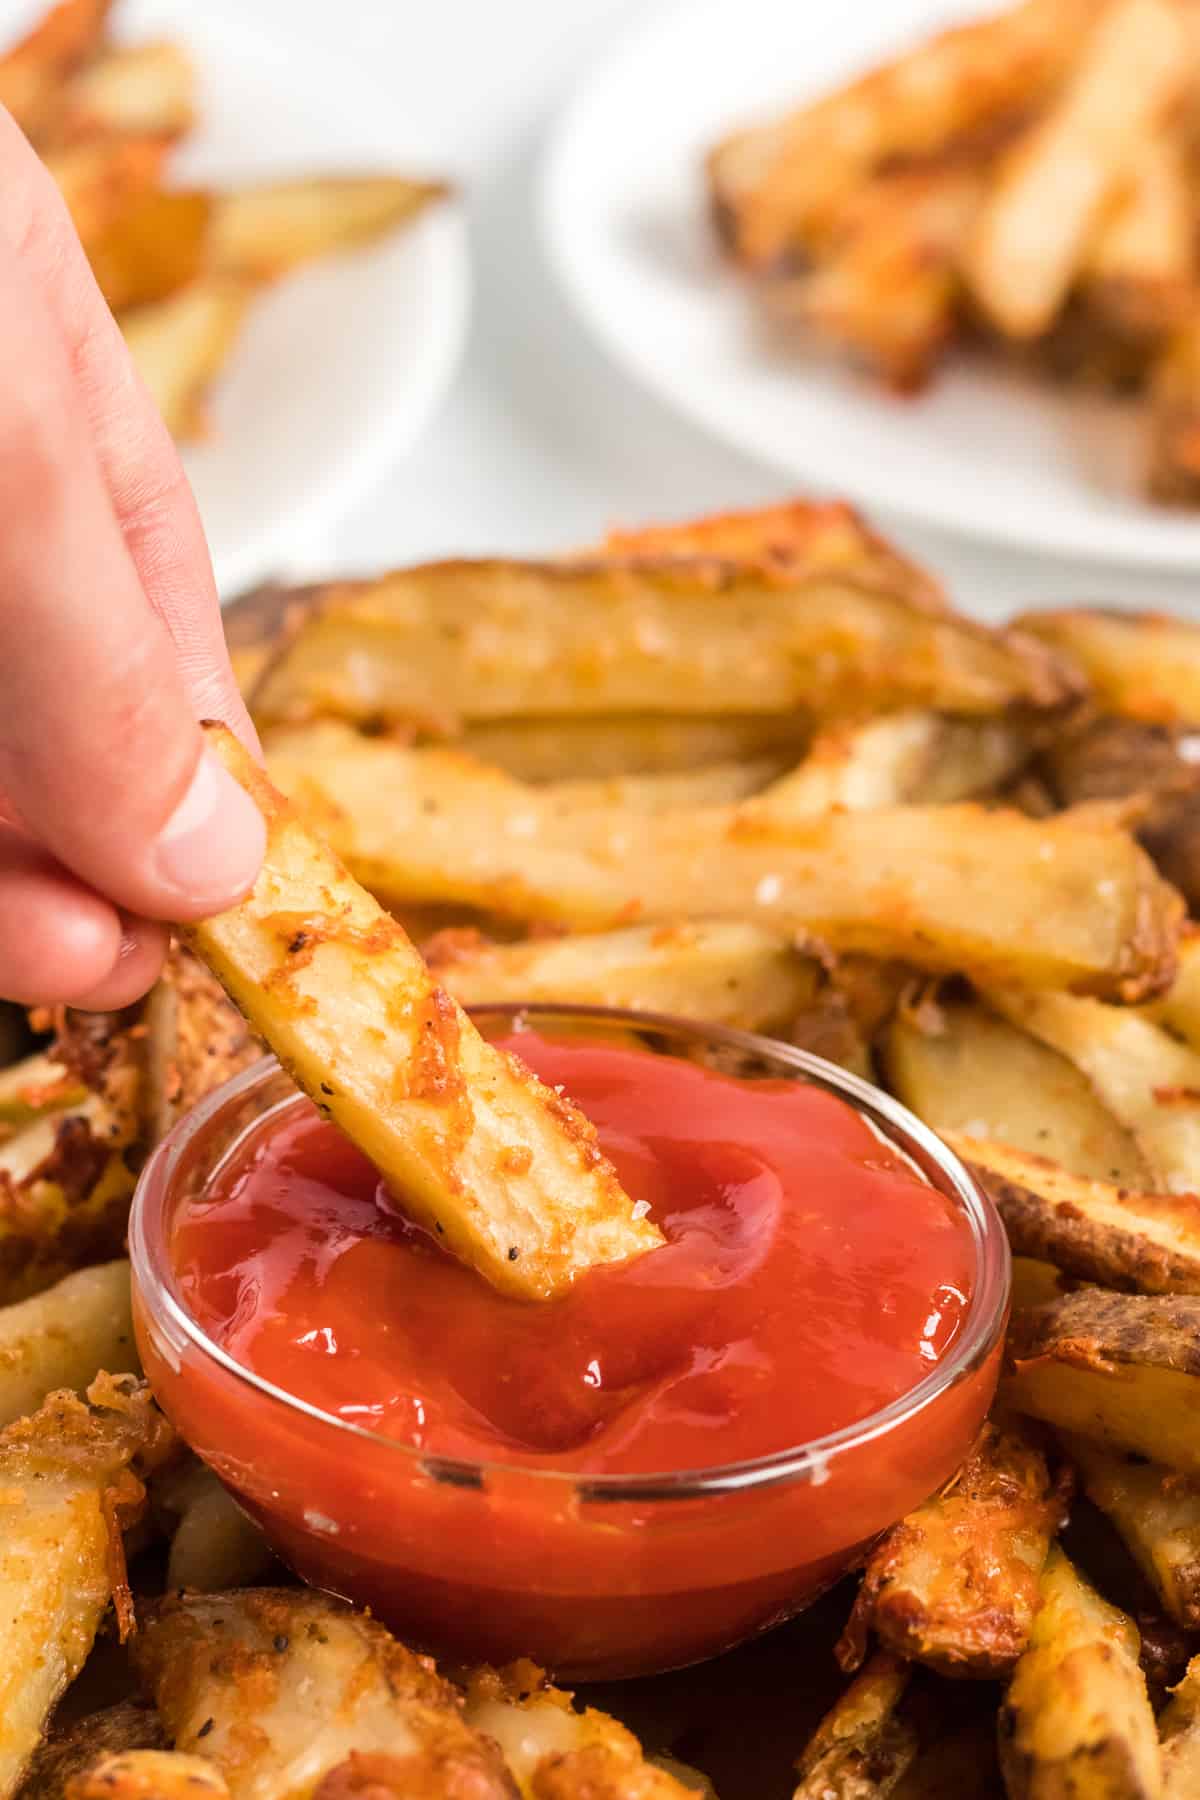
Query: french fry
[(901, 759), (100, 178), (1076, 1719), (32, 72), (1148, 1080), (153, 248), (1174, 472), (130, 90), (727, 972), (180, 345), (955, 1584), (262, 232), (1157, 1513), (277, 1687), (1139, 272), (773, 188), (71, 1487), (1093, 1230), (966, 1071), (1179, 1727), (148, 1775), (1121, 1368), (72, 1751), (214, 1545), (64, 1336), (490, 640), (1050, 188), (603, 748), (908, 883), (864, 1745), (1142, 665), (476, 1146)]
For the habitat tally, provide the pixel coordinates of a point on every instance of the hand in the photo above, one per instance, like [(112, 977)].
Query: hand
[(113, 816)]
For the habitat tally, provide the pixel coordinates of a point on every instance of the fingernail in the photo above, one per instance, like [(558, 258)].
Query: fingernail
[(211, 848)]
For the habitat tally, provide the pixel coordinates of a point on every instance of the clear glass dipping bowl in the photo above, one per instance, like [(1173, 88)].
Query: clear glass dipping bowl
[(598, 1577)]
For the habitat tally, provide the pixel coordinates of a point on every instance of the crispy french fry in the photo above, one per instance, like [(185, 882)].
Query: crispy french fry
[(148, 1775), (1148, 1080), (476, 1146), (955, 1584), (32, 72), (1157, 1513), (261, 232), (908, 883), (865, 1744), (340, 1684), (489, 640), (1142, 665), (1094, 1230), (68, 1753), (214, 1545), (1122, 1368), (1174, 474), (776, 186), (70, 1490), (602, 748), (100, 178), (63, 1337), (1139, 272), (966, 1071), (901, 759), (1179, 1727), (727, 972), (180, 345), (1077, 1718), (154, 247), (144, 89), (1051, 186)]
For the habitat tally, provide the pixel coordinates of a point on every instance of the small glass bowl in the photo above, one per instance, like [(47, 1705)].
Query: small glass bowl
[(597, 1577)]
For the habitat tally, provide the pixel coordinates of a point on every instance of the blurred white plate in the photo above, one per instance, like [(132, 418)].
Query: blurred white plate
[(340, 366), (983, 452)]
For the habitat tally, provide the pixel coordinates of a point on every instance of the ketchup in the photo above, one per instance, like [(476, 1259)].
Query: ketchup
[(809, 1276)]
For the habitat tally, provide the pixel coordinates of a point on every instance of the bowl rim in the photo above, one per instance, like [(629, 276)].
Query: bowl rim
[(155, 1285)]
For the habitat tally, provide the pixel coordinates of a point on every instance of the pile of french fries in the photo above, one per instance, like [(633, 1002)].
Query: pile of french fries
[(179, 266), (1028, 181), (756, 770)]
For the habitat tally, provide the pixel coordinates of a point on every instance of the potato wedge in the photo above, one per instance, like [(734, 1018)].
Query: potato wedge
[(864, 1744), (33, 70), (1148, 1080), (1174, 473), (101, 177), (146, 89), (1076, 1719), (180, 345), (904, 758), (194, 1039), (277, 1687), (1122, 1368), (72, 1751), (1140, 1243), (603, 748), (1139, 271), (727, 972), (214, 1545), (964, 1070), (489, 640), (1034, 1283), (71, 1487), (478, 1149), (1157, 1513), (37, 1085), (63, 1337), (907, 883), (1051, 187), (67, 1180), (1141, 665), (1177, 1009), (261, 232), (713, 784), (1179, 1728), (148, 1775), (153, 248), (955, 1584)]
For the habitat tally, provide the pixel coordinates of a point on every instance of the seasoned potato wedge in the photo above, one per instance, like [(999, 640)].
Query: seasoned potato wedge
[(601, 748), (214, 1545), (1077, 1719), (1123, 1239), (865, 1744), (180, 345), (1179, 1727), (153, 248), (1174, 474), (73, 1750), (1122, 1368), (33, 70), (904, 758), (261, 232), (101, 177), (136, 89), (62, 1338), (1140, 267), (507, 1172), (1157, 1512), (955, 1584), (1141, 665), (148, 1775)]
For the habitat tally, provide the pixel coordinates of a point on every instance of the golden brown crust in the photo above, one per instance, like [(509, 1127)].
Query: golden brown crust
[(1101, 1331)]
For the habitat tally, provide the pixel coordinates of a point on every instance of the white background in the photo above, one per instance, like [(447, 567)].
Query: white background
[(541, 442)]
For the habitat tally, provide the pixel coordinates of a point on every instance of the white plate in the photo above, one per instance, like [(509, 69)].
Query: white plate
[(982, 452), (340, 366)]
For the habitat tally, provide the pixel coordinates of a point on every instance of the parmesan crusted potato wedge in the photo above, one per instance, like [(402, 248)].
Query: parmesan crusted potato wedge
[(904, 758), (1121, 1368), (864, 1745), (955, 1584), (1174, 474), (508, 1173), (605, 747), (261, 232), (278, 1687), (1077, 1718), (488, 640), (1157, 1513), (1116, 1236), (63, 1337), (909, 883), (967, 1071), (1142, 665)]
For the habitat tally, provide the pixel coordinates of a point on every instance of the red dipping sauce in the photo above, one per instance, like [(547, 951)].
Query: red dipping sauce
[(811, 1277)]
